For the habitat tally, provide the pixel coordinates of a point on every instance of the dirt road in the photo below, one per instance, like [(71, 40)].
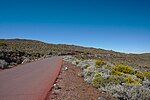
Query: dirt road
[(30, 81)]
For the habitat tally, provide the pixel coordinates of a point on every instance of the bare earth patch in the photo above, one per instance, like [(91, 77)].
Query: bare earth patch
[(70, 86)]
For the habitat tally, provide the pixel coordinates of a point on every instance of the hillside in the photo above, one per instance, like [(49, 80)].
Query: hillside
[(15, 51)]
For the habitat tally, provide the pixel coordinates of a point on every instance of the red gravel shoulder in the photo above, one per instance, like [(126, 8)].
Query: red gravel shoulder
[(70, 86)]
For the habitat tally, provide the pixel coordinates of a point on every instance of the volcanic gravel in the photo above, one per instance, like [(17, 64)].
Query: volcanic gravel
[(70, 86)]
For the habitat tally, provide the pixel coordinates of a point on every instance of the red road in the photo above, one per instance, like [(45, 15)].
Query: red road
[(30, 81)]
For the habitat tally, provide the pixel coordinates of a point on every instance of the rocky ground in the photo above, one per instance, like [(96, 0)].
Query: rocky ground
[(70, 86)]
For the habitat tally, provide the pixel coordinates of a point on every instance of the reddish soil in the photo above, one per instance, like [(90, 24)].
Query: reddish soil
[(70, 86)]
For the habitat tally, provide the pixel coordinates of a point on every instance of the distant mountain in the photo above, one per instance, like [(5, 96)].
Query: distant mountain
[(17, 50)]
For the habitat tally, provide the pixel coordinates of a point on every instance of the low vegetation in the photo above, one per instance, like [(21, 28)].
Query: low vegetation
[(2, 43), (140, 75), (147, 75), (130, 80), (117, 73), (123, 82), (100, 62), (124, 69), (97, 66)]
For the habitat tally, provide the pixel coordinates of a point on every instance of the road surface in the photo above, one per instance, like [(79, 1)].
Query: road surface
[(30, 81)]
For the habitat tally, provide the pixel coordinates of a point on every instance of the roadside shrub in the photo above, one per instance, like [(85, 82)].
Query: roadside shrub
[(116, 73), (87, 65), (141, 76), (115, 80), (97, 75), (129, 80), (99, 82), (97, 66), (77, 62), (147, 75), (100, 62), (109, 67), (124, 69)]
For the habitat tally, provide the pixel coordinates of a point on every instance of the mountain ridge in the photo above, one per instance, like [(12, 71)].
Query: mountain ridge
[(34, 49)]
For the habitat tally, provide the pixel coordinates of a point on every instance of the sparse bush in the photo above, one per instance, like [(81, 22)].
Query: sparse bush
[(139, 75), (129, 80), (116, 73), (87, 65), (77, 62), (97, 66), (99, 82), (115, 80), (147, 75), (100, 62), (109, 67), (102, 82), (97, 75), (124, 69)]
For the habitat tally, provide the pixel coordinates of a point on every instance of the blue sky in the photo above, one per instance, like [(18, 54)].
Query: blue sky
[(120, 25)]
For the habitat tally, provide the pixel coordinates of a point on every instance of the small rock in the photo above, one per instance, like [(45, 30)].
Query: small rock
[(101, 98), (66, 68), (56, 86)]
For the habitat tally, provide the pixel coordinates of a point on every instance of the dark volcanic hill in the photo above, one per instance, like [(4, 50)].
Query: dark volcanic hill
[(15, 51)]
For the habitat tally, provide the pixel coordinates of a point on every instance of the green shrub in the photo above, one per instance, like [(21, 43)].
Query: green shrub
[(147, 75), (98, 75), (87, 65), (115, 80), (100, 62), (97, 66), (124, 69), (141, 76), (77, 62), (102, 82), (129, 80), (116, 73), (99, 82), (109, 67)]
